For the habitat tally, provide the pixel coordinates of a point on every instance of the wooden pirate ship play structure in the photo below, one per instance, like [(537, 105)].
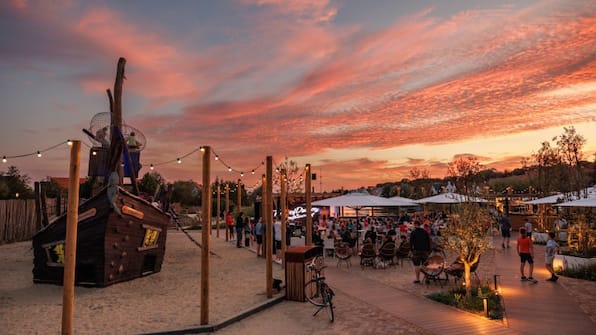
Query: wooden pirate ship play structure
[(120, 235)]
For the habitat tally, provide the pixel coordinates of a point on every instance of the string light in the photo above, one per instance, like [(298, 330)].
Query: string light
[(151, 167), (38, 154), (229, 168), (216, 157), (253, 172), (179, 161), (94, 153), (4, 159), (241, 174), (69, 142)]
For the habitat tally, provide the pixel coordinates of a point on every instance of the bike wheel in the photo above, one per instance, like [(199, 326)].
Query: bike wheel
[(329, 302), (313, 294)]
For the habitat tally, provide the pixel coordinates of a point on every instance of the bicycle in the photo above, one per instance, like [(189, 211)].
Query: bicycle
[(316, 290)]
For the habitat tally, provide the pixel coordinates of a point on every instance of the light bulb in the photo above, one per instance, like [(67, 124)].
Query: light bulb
[(216, 157), (229, 169), (69, 142), (38, 154), (3, 159), (253, 172), (241, 174), (178, 160), (94, 153), (151, 167)]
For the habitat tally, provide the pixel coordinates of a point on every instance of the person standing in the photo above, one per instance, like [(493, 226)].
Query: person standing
[(420, 246), (239, 229), (505, 231), (525, 250), (259, 230), (277, 238), (552, 248), (528, 227), (230, 224)]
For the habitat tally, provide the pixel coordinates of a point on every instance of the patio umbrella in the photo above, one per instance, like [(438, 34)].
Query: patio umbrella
[(449, 198), (587, 202)]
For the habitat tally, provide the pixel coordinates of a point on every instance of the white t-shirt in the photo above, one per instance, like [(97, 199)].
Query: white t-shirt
[(277, 230), (528, 226), (551, 248)]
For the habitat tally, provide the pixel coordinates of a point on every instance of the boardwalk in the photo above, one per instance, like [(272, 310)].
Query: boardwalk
[(376, 305)]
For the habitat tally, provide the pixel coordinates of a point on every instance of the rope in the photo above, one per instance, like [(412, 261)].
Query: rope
[(175, 217)]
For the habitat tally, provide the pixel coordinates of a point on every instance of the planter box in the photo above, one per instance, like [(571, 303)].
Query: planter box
[(566, 262)]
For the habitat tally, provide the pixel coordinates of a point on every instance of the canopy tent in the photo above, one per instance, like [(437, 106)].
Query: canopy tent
[(590, 192), (356, 199), (586, 202), (449, 198), (403, 202), (551, 199)]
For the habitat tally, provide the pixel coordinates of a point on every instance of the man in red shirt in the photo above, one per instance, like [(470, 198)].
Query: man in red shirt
[(230, 224), (525, 250)]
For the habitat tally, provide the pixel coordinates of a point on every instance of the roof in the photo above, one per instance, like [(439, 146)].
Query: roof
[(63, 181)]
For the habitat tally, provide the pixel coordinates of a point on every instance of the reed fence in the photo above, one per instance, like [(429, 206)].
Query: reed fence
[(17, 220)]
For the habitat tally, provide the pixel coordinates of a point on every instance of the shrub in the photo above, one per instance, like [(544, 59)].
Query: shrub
[(457, 297), (580, 272)]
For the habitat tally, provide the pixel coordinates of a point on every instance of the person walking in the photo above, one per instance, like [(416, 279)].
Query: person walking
[(420, 246), (239, 229), (505, 231), (552, 248), (525, 250)]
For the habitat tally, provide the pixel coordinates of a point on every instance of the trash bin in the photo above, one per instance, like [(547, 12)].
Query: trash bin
[(296, 260)]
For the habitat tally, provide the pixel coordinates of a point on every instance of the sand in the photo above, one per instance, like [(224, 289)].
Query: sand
[(167, 300)]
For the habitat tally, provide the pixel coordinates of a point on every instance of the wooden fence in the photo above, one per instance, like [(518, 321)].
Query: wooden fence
[(17, 220)]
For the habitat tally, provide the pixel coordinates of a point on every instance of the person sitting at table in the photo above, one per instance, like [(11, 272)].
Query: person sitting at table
[(371, 235), (346, 237)]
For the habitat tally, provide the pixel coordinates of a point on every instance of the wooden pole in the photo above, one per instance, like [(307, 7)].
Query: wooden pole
[(239, 193), (205, 238), (227, 210), (264, 209), (117, 113), (70, 249), (284, 219), (218, 210), (38, 224), (308, 196), (269, 220)]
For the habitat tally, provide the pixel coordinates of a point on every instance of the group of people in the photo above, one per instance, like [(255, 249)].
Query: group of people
[(245, 230), (101, 136)]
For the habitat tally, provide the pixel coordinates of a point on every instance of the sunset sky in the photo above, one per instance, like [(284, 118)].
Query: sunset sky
[(362, 90)]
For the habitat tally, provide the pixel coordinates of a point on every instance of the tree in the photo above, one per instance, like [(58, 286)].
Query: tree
[(295, 176), (547, 160), (151, 182), (570, 145), (14, 185), (464, 170), (186, 193), (468, 236)]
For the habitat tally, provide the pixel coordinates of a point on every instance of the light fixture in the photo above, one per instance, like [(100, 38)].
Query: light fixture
[(241, 174), (38, 154), (69, 142), (3, 159), (216, 157), (94, 153), (202, 149), (151, 167), (229, 169), (253, 171), (178, 160)]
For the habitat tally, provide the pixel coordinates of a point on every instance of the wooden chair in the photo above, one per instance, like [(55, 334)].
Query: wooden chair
[(403, 252), (433, 268), (343, 253), (387, 253), (368, 255)]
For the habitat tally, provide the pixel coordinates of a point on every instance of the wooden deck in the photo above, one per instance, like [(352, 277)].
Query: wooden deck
[(544, 308)]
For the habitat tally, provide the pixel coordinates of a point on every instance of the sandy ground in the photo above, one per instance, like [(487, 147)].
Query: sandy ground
[(170, 300), (167, 300)]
